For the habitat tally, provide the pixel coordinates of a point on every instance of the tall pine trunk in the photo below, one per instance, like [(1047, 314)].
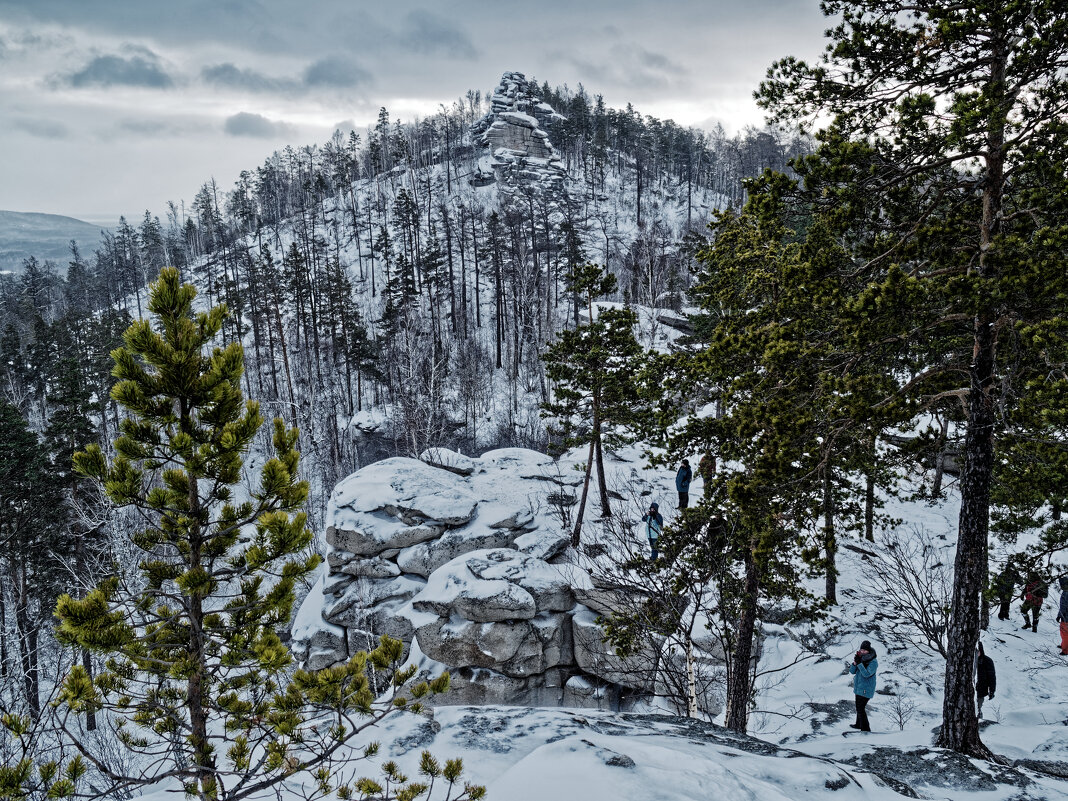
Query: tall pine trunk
[(738, 689), (960, 728), (830, 544)]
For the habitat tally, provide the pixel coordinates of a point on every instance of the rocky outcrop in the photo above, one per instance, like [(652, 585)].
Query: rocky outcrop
[(516, 136), (459, 558)]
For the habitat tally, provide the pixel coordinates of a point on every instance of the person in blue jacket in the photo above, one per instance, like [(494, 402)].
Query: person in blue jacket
[(863, 668), (654, 524), (682, 483)]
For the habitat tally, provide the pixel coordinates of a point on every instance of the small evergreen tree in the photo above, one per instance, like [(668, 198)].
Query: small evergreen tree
[(594, 370), (196, 678)]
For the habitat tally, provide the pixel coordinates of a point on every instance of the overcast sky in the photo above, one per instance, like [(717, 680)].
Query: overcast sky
[(112, 107)]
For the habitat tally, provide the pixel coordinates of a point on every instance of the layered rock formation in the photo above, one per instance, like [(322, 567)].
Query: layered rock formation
[(459, 558), (514, 132)]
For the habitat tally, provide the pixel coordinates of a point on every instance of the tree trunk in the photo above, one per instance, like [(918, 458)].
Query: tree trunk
[(830, 544), (602, 484), (960, 728), (204, 762), (582, 502), (691, 681), (738, 685)]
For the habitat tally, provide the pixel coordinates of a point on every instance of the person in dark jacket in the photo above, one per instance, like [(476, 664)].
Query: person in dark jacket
[(654, 524), (986, 680), (863, 668), (1033, 595), (1062, 615), (682, 483), (1005, 588)]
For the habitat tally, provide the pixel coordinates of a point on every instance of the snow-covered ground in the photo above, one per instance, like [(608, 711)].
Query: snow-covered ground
[(801, 746)]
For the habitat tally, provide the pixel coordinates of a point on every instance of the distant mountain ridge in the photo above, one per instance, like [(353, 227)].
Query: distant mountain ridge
[(44, 236)]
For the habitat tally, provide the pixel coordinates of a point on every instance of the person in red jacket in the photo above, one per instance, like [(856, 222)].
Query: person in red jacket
[(1033, 595)]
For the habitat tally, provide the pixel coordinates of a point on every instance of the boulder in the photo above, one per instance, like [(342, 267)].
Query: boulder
[(547, 585), (590, 693), (480, 601), (542, 544), (517, 648), (520, 518), (598, 658), (326, 646), (348, 602), (424, 558), (375, 567), (403, 488), (484, 687), (606, 600), (373, 537)]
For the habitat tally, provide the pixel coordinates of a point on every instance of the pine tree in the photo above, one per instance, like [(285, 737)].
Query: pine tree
[(935, 107), (196, 676), (593, 369)]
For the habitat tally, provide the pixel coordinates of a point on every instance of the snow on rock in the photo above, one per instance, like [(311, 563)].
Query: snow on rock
[(448, 460), (404, 488), (451, 554), (516, 648), (543, 544), (424, 558), (514, 132)]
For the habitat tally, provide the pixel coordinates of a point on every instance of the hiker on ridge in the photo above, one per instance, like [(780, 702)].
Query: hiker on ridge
[(682, 483), (654, 524), (986, 680), (863, 667), (1033, 595)]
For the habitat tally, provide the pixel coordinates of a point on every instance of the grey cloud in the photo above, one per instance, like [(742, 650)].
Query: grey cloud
[(234, 77), (654, 61), (630, 66), (425, 32), (255, 125), (336, 72), (41, 128), (140, 68)]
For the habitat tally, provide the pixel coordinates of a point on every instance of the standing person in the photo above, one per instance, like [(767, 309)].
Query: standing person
[(1033, 595), (1062, 615), (654, 524), (863, 668), (1005, 587), (986, 680), (682, 483)]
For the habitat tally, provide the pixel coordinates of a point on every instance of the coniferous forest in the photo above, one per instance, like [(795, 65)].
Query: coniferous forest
[(869, 290)]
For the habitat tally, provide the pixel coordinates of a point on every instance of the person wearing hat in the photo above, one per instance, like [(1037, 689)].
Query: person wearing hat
[(654, 524), (682, 483), (863, 667), (986, 680), (1062, 615)]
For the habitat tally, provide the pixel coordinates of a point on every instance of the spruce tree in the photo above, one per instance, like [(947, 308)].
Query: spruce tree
[(196, 679)]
